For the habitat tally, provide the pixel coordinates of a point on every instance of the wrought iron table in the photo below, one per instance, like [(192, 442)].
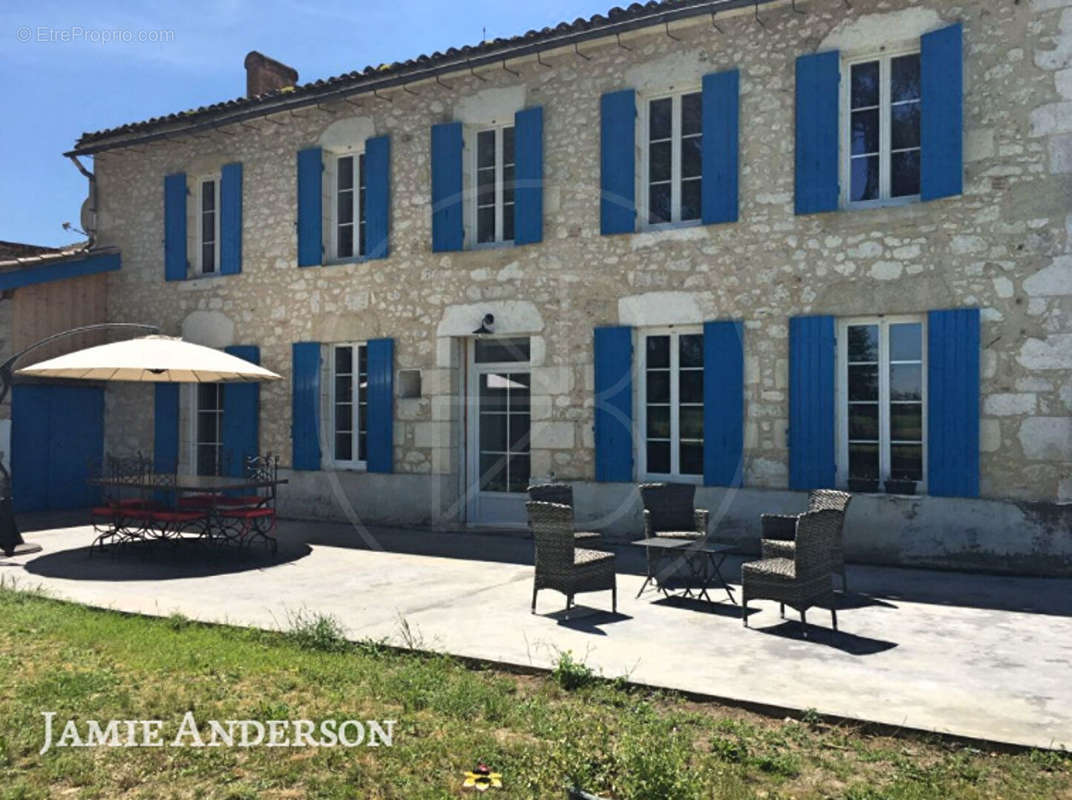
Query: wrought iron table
[(702, 559)]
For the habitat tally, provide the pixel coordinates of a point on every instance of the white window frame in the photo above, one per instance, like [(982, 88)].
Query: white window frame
[(640, 432), (885, 59), (354, 463), (643, 158), (332, 173), (471, 168), (883, 322), (200, 184), (195, 433)]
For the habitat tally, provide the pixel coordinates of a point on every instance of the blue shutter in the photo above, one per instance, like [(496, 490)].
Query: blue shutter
[(241, 416), (528, 172), (818, 80), (175, 227), (617, 199), (812, 459), (448, 232), (723, 394), (381, 405), (942, 110), (953, 349), (721, 93), (310, 208), (231, 219), (614, 404), (377, 196), (305, 409), (166, 428)]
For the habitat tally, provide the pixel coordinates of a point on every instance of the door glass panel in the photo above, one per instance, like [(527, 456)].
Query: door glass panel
[(659, 457), (504, 427), (906, 382), (863, 460), (494, 351), (691, 458), (906, 462)]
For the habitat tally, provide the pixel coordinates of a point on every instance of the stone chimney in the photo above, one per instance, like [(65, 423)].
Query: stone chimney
[(265, 74)]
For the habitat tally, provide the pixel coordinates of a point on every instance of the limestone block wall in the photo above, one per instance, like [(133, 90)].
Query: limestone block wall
[(1004, 246)]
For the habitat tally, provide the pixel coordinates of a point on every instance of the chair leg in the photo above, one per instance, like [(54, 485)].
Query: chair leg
[(744, 609), (614, 597), (535, 589), (833, 616), (804, 621), (781, 609)]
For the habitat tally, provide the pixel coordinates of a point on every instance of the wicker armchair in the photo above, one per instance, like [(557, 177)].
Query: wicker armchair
[(669, 511), (806, 579), (561, 493), (779, 529), (562, 566)]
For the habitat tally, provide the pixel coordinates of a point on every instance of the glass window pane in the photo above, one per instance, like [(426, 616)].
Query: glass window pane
[(691, 458), (519, 433), (906, 382), (863, 382), (865, 84), (658, 426), (362, 417), (863, 421), (344, 447), (343, 387), (489, 351), (864, 179), (906, 342), (659, 164), (345, 171), (206, 460), (493, 433), (691, 422), (659, 457), (519, 473), (362, 359), (208, 195), (691, 113), (508, 184), (207, 396), (691, 200), (485, 224), (520, 387), (864, 132), (659, 123), (906, 462), (690, 350), (863, 343), (493, 391), (344, 359), (904, 175), (659, 203), (208, 227), (208, 258), (690, 386), (485, 149), (657, 351), (508, 145), (863, 461), (692, 157), (493, 473), (362, 447), (345, 244), (658, 386), (904, 78), (344, 417), (906, 422), (346, 207), (485, 183), (208, 431), (508, 223), (904, 126)]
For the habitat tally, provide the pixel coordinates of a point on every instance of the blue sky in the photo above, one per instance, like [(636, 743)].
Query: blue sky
[(55, 90)]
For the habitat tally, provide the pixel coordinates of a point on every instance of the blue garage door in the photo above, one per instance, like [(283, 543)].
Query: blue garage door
[(56, 431)]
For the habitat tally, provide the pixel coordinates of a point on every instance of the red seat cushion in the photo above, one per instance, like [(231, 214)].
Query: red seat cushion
[(103, 511), (242, 500), (174, 516), (250, 513)]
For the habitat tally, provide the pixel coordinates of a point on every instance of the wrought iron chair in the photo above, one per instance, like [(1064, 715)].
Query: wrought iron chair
[(802, 581), (119, 519), (560, 564), (561, 493), (779, 529), (253, 516)]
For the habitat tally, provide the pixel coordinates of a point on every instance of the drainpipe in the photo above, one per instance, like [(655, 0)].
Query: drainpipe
[(91, 229)]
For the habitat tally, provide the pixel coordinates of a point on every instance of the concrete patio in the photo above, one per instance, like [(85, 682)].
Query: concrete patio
[(972, 655)]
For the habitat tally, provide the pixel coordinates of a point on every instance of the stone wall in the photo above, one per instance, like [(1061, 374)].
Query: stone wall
[(1004, 246)]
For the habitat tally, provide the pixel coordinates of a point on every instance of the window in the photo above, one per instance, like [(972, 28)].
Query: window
[(208, 226), (882, 130), (671, 404), (348, 207), (350, 404), (882, 399), (672, 159), (493, 209), (209, 429)]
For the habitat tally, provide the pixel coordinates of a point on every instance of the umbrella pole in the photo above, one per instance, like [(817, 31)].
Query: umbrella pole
[(11, 541)]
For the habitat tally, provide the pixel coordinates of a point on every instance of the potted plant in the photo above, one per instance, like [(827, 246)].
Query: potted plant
[(900, 486), (863, 485)]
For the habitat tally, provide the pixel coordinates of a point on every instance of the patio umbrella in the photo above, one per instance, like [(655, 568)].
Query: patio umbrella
[(155, 359)]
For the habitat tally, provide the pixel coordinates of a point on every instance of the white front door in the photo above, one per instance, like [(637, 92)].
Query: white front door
[(497, 444)]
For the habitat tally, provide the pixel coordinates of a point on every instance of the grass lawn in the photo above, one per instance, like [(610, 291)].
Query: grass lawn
[(539, 732)]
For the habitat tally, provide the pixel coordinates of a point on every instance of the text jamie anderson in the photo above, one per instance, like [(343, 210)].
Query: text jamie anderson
[(215, 733)]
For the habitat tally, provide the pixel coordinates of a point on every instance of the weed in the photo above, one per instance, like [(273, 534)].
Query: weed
[(571, 674), (311, 631)]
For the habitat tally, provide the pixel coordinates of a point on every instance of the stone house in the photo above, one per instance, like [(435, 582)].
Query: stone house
[(760, 246)]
